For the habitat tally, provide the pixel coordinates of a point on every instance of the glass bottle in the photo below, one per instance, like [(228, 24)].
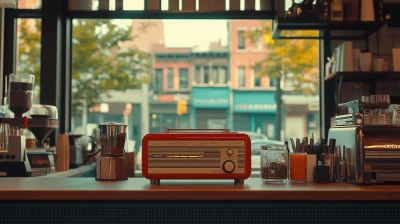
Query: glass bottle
[(352, 10), (274, 165), (323, 10), (337, 10)]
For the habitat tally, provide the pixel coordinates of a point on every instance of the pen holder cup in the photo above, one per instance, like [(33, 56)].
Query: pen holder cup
[(311, 162)]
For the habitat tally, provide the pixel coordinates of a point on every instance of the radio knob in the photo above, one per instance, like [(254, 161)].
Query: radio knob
[(229, 151), (228, 166)]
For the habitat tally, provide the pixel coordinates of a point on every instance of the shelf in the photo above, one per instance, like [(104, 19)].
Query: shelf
[(351, 30), (363, 76)]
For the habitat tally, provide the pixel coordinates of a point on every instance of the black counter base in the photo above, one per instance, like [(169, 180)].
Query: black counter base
[(234, 212)]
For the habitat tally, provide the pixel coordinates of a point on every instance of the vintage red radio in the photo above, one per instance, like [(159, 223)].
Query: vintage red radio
[(196, 154)]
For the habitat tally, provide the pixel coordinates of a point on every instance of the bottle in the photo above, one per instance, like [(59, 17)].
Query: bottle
[(336, 10), (323, 10), (352, 10)]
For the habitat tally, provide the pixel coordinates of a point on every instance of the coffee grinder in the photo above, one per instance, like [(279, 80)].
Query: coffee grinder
[(111, 165), (42, 156), (13, 159)]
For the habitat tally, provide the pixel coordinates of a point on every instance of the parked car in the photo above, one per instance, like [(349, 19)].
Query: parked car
[(256, 150), (254, 135), (139, 159), (256, 145)]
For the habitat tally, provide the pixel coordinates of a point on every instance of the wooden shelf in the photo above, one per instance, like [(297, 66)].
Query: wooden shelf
[(351, 29), (363, 76)]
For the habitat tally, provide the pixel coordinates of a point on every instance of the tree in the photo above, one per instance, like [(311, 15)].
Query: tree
[(28, 43), (295, 59), (98, 64)]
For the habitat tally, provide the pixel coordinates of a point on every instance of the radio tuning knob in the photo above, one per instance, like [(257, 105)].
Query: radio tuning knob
[(229, 151), (228, 166)]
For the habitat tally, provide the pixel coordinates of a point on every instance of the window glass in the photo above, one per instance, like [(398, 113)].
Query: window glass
[(206, 75), (241, 40), (198, 75), (222, 75), (273, 82), (158, 80), (183, 78), (115, 61), (257, 78), (241, 76), (170, 78), (28, 50)]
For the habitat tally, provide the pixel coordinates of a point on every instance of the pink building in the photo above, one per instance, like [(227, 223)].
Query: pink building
[(244, 53), (173, 68)]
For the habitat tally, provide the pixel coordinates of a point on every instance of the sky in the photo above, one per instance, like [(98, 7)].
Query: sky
[(181, 33), (184, 33)]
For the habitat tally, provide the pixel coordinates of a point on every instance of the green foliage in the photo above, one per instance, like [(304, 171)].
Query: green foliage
[(294, 59), (98, 64), (29, 47)]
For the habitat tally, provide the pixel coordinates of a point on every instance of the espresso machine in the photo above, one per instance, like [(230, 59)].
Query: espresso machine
[(112, 165), (43, 120), (75, 152), (368, 152)]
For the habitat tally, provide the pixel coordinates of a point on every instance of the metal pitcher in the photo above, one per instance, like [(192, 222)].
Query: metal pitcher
[(111, 165), (112, 137)]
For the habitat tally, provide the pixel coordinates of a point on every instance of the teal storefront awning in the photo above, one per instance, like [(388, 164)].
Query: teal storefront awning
[(210, 97), (254, 102)]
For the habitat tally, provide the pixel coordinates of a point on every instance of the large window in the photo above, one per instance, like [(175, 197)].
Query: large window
[(241, 76), (170, 76), (241, 40), (183, 78), (115, 60)]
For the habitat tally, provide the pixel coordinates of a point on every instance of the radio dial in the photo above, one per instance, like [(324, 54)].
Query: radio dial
[(228, 166), (229, 151)]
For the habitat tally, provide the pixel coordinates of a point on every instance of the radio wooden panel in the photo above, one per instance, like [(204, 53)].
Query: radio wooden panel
[(183, 157)]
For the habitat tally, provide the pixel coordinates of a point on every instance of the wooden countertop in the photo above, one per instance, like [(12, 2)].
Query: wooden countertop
[(140, 189)]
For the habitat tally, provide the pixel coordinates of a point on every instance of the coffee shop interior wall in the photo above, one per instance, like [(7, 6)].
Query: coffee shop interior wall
[(380, 44)]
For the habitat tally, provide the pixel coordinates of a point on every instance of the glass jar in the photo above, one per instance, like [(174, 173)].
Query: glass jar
[(274, 166), (20, 93)]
